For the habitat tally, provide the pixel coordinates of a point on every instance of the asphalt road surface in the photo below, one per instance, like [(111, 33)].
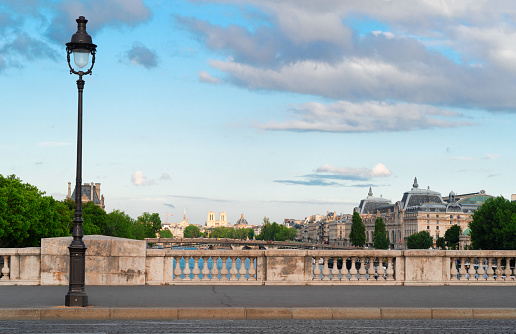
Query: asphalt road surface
[(263, 326)]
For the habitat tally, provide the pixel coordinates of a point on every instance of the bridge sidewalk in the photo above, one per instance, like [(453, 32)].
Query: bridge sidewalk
[(262, 302)]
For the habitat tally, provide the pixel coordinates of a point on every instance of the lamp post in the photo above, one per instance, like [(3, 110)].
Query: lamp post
[(81, 46)]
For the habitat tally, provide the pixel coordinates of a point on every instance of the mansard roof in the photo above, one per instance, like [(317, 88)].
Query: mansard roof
[(371, 203)]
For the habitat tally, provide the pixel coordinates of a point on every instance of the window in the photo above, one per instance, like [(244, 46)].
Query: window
[(437, 227), (428, 222), (437, 216), (428, 227), (437, 222)]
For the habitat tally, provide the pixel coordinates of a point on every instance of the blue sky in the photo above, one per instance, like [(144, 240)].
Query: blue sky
[(267, 108)]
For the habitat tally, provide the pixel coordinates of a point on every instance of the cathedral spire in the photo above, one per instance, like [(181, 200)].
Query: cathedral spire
[(415, 185), (370, 194)]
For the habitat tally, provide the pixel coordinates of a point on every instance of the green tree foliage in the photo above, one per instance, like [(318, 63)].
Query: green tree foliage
[(150, 225), (222, 232), (94, 219), (120, 225), (420, 240), (452, 236), (494, 225), (357, 234), (276, 232), (192, 231), (380, 238), (165, 234), (26, 215), (440, 243)]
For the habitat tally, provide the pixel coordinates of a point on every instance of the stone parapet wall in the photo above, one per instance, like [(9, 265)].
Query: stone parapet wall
[(109, 261), (117, 261)]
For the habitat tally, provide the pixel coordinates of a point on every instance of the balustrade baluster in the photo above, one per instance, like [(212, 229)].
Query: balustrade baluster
[(498, 271), (508, 270), (233, 271), (187, 271), (317, 270), (490, 271), (344, 271), (362, 271), (371, 271), (390, 270), (224, 271), (353, 271), (5, 269), (177, 268), (326, 269), (381, 271), (242, 270), (462, 270), (472, 271), (481, 271), (205, 270), (252, 270), (196, 271), (335, 270), (453, 270)]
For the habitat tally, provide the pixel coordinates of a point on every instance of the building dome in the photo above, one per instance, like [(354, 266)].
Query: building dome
[(241, 221)]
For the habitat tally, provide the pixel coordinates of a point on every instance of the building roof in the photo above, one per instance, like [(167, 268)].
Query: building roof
[(370, 204)]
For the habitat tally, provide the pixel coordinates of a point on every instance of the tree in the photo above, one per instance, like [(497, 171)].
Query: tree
[(420, 240), (380, 238), (26, 215), (440, 242), (494, 225), (151, 224), (357, 235), (192, 231), (165, 234), (94, 219), (452, 236), (120, 225)]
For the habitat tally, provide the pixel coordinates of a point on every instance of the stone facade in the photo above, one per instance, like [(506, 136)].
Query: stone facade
[(211, 222), (89, 193)]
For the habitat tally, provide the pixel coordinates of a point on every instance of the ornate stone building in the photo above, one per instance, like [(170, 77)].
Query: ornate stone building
[(89, 192), (419, 210)]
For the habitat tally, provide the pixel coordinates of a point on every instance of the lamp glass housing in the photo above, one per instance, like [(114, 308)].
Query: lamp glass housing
[(81, 57)]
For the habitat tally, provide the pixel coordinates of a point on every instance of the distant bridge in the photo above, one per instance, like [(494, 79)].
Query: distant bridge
[(221, 243)]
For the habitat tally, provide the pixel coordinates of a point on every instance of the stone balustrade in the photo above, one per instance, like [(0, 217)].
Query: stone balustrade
[(115, 261), (20, 266)]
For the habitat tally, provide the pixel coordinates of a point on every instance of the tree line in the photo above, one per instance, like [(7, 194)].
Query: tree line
[(27, 215)]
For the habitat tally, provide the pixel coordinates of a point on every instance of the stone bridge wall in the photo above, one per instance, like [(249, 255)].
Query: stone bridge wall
[(116, 261)]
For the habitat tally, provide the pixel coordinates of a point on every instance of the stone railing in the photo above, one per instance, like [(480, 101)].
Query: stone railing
[(20, 266), (116, 261)]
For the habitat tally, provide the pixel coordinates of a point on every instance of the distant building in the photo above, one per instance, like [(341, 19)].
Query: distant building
[(513, 197), (221, 222), (242, 223), (89, 193), (419, 210), (177, 229)]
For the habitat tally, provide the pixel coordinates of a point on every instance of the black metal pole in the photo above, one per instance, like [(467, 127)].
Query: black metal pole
[(76, 295)]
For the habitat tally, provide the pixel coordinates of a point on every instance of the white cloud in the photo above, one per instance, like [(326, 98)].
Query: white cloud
[(377, 171), (345, 116), (138, 178), (206, 77)]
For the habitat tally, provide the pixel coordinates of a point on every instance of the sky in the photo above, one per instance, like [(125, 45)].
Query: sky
[(266, 108)]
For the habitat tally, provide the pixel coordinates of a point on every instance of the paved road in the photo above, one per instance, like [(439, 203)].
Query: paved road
[(264, 326), (167, 296)]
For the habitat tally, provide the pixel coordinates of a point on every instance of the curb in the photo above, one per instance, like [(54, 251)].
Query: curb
[(92, 313)]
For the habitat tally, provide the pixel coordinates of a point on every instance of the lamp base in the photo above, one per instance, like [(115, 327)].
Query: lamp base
[(76, 299)]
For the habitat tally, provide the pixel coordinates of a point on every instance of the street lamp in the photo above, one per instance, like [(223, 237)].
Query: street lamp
[(81, 46)]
